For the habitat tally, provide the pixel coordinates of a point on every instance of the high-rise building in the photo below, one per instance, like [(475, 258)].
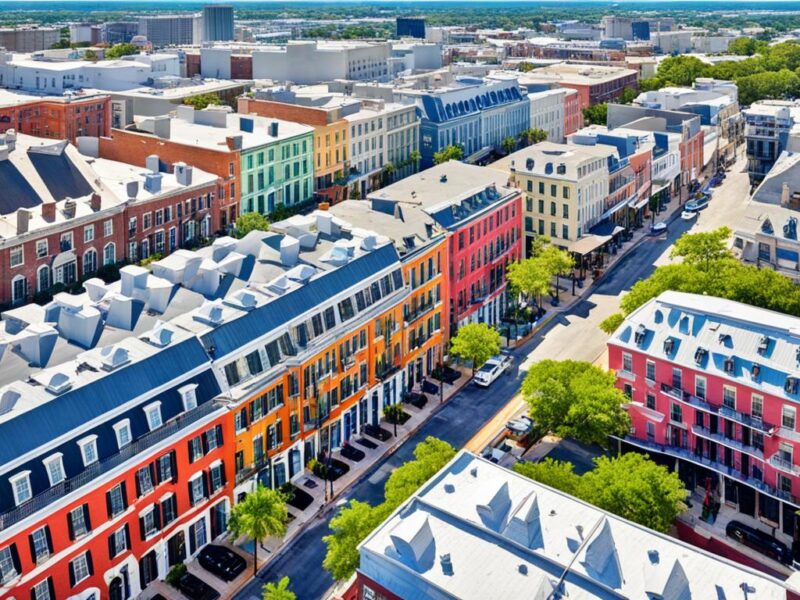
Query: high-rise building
[(218, 23), (411, 27), (28, 39), (170, 30)]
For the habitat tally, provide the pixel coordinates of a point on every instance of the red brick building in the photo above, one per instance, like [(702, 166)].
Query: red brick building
[(573, 115)]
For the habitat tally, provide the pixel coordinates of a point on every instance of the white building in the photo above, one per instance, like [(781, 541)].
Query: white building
[(414, 55), (317, 61), (26, 72), (547, 112)]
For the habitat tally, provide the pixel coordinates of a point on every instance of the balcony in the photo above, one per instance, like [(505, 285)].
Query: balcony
[(420, 311), (92, 472), (249, 470), (783, 464), (386, 371), (746, 420), (726, 441), (687, 398)]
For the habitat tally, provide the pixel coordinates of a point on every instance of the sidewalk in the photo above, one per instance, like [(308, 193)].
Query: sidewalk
[(316, 488)]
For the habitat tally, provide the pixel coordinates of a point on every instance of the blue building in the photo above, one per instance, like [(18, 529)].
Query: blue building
[(411, 27), (472, 112)]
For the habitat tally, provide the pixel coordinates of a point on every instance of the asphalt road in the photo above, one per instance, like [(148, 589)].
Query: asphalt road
[(573, 334)]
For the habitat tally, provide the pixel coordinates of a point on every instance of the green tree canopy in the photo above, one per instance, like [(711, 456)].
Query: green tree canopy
[(743, 46), (555, 473), (530, 277), (260, 515), (119, 50), (682, 70), (596, 114), (451, 152), (768, 85), (509, 144), (628, 95), (476, 342), (575, 399), (278, 591), (201, 101), (430, 456), (611, 323), (248, 222), (533, 135), (703, 249), (651, 84)]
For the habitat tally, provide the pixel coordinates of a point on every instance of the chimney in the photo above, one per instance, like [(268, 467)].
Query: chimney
[(23, 219), (132, 188), (152, 182), (785, 194), (324, 205), (11, 139), (152, 163), (69, 208), (234, 142), (183, 173), (95, 202), (49, 211)]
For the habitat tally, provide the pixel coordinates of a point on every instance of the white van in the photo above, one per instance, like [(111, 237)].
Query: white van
[(491, 370)]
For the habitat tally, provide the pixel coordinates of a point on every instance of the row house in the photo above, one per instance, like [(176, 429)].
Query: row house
[(67, 215), (117, 470), (482, 219), (713, 390)]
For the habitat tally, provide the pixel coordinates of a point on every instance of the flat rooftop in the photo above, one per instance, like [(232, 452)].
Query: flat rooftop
[(576, 73), (11, 98)]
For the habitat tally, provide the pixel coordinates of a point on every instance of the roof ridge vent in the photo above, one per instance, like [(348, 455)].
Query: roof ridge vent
[(58, 382), (8, 399), (210, 312), (413, 543), (114, 356), (493, 506), (601, 559), (161, 335)]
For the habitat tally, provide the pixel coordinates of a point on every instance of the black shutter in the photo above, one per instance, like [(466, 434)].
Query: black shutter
[(191, 452), (71, 575), (204, 442), (205, 484), (127, 537), (51, 588), (174, 460), (112, 548), (222, 473), (157, 515), (219, 436), (86, 518), (33, 593), (70, 526), (33, 548), (89, 563), (138, 485), (191, 498), (15, 559), (192, 544), (124, 495), (142, 529), (108, 505), (49, 538)]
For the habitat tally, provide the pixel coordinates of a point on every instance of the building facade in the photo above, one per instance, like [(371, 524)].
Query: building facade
[(28, 39), (56, 117), (170, 30), (767, 126), (218, 23)]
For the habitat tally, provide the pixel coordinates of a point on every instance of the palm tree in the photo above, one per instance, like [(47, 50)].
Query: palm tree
[(415, 157), (509, 144), (260, 515), (388, 171), (533, 136), (278, 591)]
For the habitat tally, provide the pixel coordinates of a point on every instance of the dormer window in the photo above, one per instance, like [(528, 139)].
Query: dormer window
[(790, 387), (55, 468), (189, 396), (763, 345), (699, 355), (123, 431), (729, 365), (669, 345), (21, 487), (88, 446), (755, 370), (153, 413), (640, 334)]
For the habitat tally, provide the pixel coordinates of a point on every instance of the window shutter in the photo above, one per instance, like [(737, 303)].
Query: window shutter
[(192, 543), (15, 558), (33, 548), (157, 516), (71, 575), (219, 436), (89, 562), (142, 530), (51, 588), (49, 538), (138, 485), (127, 537), (205, 484), (191, 451), (86, 517), (174, 459), (191, 496), (108, 504), (70, 526), (33, 594), (111, 547), (124, 495), (222, 474), (204, 442)]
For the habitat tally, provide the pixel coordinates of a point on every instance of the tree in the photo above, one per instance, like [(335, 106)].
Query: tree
[(90, 55), (635, 488), (682, 70), (743, 46), (557, 262), (248, 222), (525, 67), (703, 249), (650, 84), (628, 95), (201, 101), (575, 399), (596, 114), (260, 515), (530, 277), (414, 156), (476, 342), (612, 322), (387, 172), (348, 528), (281, 212), (278, 591), (768, 85), (533, 135), (430, 456), (555, 473), (451, 152), (120, 50), (654, 204), (509, 144)]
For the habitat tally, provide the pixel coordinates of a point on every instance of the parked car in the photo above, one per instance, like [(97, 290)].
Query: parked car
[(520, 426), (759, 541), (688, 215), (697, 204), (221, 561), (492, 369), (658, 228), (195, 588)]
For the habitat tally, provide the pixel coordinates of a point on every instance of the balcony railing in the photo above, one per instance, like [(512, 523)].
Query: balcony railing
[(783, 464), (248, 470), (92, 472), (729, 442), (747, 420)]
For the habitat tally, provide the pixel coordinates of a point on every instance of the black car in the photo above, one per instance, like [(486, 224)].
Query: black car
[(759, 541), (196, 589), (416, 399), (222, 562), (377, 432)]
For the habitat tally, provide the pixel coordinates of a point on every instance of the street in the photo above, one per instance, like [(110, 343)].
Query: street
[(574, 334)]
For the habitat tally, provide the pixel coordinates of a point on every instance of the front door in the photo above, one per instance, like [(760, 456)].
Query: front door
[(176, 549), (295, 464), (116, 590), (148, 568), (347, 426), (375, 413)]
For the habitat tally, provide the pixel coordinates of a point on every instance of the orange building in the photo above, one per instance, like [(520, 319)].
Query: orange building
[(57, 117), (330, 134)]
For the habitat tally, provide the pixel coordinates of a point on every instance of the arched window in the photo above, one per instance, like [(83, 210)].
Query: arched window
[(19, 289), (110, 254), (43, 278), (89, 261)]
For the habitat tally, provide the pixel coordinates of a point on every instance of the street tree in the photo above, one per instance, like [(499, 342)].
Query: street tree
[(575, 399), (260, 515), (120, 50), (530, 277), (451, 152), (252, 221), (278, 591), (533, 135), (414, 156), (509, 144), (703, 249), (555, 473), (387, 172), (682, 70), (557, 262), (650, 84), (476, 342), (635, 488), (430, 456), (628, 95), (349, 527)]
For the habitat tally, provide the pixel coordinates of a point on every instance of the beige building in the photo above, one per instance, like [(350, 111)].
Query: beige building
[(564, 188)]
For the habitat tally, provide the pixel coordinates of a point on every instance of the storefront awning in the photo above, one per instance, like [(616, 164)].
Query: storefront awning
[(659, 185), (476, 156), (588, 243), (637, 205), (606, 228)]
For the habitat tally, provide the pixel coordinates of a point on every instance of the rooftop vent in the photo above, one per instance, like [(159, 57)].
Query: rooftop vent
[(113, 357), (8, 400), (669, 345), (529, 164), (210, 312), (447, 564), (443, 178), (152, 182), (699, 355), (790, 387), (638, 337), (449, 488), (755, 370), (58, 382), (161, 335)]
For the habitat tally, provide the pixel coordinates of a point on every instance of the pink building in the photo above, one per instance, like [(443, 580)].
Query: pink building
[(573, 115), (714, 389), (483, 220)]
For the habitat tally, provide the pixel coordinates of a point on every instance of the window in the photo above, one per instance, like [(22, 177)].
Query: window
[(88, 446), (627, 362), (66, 241), (16, 257), (43, 590), (757, 406), (213, 438), (651, 401), (109, 254), (676, 413), (144, 481), (79, 569), (78, 522), (788, 414), (164, 468), (197, 489), (677, 378), (729, 397), (21, 486), (153, 413), (55, 468), (188, 396), (217, 477), (195, 449), (650, 370), (9, 564), (41, 248), (123, 431), (118, 542), (169, 510), (41, 544), (88, 233), (148, 523), (116, 500)]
